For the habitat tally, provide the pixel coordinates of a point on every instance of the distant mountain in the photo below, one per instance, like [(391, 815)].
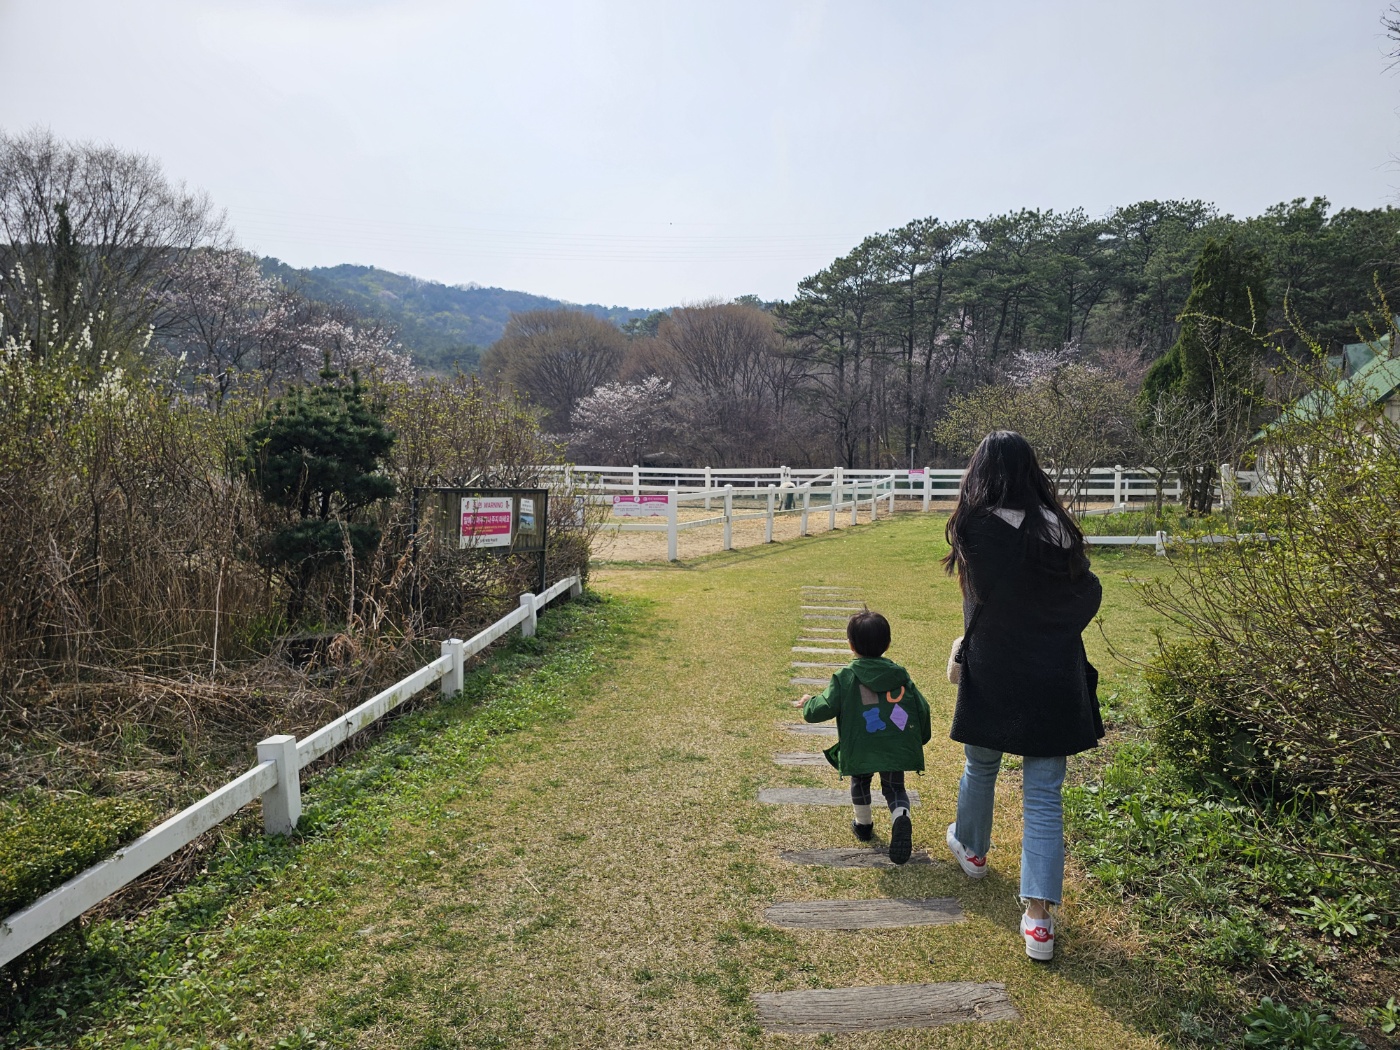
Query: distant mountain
[(443, 326)]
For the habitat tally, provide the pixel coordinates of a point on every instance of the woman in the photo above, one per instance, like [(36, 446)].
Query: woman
[(1026, 686)]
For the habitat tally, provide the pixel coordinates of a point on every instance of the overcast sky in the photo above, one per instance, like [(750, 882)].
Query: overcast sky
[(655, 152)]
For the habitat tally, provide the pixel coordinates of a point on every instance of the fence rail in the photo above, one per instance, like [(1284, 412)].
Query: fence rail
[(836, 490), (275, 780), (1118, 485), (841, 495)]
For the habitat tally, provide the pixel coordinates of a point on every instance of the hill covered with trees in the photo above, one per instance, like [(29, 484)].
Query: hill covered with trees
[(442, 326)]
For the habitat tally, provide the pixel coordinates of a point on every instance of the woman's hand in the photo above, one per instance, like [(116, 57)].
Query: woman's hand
[(805, 698)]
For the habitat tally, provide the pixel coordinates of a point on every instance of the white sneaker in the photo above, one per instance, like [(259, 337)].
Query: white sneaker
[(973, 866), (1039, 935)]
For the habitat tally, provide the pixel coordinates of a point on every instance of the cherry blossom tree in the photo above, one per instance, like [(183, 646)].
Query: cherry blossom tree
[(620, 423)]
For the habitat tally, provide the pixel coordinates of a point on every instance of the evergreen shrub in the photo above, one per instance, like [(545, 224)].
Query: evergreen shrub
[(46, 839)]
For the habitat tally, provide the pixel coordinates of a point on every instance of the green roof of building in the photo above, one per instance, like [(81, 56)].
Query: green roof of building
[(1377, 377)]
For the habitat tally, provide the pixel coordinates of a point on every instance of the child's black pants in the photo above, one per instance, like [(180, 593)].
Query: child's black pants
[(891, 786)]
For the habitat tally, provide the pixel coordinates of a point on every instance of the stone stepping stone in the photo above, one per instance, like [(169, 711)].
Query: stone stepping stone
[(807, 663), (830, 608), (815, 641), (880, 913), (801, 758), (809, 681), (826, 587), (818, 796), (851, 856), (812, 649), (823, 616), (809, 728), (837, 632), (882, 1006)]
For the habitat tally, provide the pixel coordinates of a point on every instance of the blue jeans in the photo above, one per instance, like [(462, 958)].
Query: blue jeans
[(1043, 837)]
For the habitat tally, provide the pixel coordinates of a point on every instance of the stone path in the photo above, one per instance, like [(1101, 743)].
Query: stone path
[(802, 758), (815, 796), (878, 914), (872, 1008), (851, 857), (883, 1006)]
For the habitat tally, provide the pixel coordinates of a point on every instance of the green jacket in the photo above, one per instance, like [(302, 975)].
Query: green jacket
[(883, 726)]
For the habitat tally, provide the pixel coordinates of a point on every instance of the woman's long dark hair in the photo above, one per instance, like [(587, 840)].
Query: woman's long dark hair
[(1004, 472)]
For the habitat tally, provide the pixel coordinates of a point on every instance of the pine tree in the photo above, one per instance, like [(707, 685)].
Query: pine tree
[(317, 453), (1214, 361)]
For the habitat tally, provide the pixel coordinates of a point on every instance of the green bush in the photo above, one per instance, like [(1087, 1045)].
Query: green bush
[(1286, 679), (47, 839), (1192, 724), (1275, 1026)]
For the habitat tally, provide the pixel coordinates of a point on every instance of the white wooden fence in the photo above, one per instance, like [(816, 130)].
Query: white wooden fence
[(276, 780), (841, 495), (838, 490), (1118, 486)]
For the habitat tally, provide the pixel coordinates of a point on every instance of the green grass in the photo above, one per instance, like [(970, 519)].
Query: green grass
[(572, 853), (1233, 902)]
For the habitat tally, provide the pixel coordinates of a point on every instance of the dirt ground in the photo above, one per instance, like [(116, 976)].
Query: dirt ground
[(614, 546)]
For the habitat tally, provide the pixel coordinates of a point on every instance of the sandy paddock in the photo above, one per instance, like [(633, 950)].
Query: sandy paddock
[(612, 545)]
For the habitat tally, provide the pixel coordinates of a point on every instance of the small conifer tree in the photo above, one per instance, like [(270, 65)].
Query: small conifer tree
[(317, 454), (1213, 363)]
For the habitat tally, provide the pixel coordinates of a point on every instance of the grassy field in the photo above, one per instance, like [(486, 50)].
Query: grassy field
[(573, 855)]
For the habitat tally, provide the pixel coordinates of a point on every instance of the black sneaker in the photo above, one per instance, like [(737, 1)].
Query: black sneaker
[(864, 832), (901, 838)]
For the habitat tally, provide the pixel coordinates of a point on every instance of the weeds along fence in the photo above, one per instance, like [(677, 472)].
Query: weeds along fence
[(772, 492), (275, 780)]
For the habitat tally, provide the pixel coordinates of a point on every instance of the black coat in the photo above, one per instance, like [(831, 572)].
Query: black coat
[(1027, 687)]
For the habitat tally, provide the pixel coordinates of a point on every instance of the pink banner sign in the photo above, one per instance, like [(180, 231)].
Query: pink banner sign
[(486, 521), (652, 505)]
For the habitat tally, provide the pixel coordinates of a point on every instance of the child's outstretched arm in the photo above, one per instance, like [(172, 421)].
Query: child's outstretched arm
[(822, 707)]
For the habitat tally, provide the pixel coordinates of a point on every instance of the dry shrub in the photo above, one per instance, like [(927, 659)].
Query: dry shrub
[(1289, 683), (142, 644)]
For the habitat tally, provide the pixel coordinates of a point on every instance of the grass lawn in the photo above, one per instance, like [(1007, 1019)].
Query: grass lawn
[(599, 879)]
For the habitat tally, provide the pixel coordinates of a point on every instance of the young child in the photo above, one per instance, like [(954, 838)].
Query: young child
[(882, 725)]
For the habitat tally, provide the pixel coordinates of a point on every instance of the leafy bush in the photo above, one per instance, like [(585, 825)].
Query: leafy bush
[(1275, 1026), (1286, 685), (47, 839)]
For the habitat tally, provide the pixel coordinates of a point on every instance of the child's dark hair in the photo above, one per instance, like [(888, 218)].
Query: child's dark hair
[(869, 633)]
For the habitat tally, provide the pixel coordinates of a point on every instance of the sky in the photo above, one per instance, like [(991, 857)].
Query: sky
[(649, 154)]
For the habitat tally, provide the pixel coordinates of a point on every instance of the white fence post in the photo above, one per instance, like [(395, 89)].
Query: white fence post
[(1118, 499), (1161, 542), (835, 495), (532, 617), (874, 497), (855, 502), (576, 588), (452, 680), (768, 529), (894, 484), (636, 480), (729, 517), (281, 805), (673, 522), (709, 483), (928, 487), (807, 506)]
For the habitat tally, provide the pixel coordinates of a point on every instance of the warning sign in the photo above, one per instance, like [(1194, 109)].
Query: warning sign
[(486, 521)]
